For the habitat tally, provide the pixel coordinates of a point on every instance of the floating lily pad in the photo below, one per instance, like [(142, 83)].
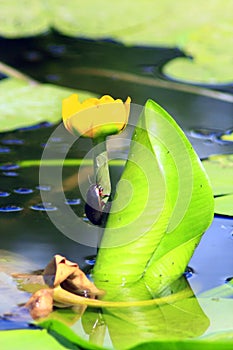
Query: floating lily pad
[(22, 104), (228, 136), (220, 172), (223, 205)]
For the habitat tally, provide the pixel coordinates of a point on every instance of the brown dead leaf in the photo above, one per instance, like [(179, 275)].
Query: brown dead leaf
[(62, 276), (60, 268), (41, 303), (68, 274)]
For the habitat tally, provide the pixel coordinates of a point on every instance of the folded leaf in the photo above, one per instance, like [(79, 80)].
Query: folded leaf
[(163, 206)]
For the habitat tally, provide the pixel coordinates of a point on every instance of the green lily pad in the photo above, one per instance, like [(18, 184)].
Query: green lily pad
[(223, 205), (39, 339), (220, 171), (227, 136), (23, 104), (202, 29)]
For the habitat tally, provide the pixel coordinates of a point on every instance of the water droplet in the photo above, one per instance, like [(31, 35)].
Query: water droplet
[(32, 56), (148, 70), (10, 209), (204, 134), (227, 136), (35, 127), (90, 260), (75, 201), (23, 190), (7, 167), (53, 77), (44, 207), (5, 150), (85, 219), (89, 276), (10, 173), (229, 279), (12, 142), (57, 50), (4, 194), (188, 272), (43, 188)]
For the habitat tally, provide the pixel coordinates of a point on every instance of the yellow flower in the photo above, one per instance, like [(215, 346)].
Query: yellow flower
[(95, 117)]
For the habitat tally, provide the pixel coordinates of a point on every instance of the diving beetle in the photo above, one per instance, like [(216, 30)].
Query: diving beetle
[(94, 204)]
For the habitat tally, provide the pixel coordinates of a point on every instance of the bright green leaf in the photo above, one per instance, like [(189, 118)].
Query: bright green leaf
[(185, 345), (220, 171), (22, 104), (58, 329), (227, 136), (164, 204), (223, 205), (26, 339)]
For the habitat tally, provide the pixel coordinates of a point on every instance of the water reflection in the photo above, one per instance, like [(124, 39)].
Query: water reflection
[(43, 207), (10, 209)]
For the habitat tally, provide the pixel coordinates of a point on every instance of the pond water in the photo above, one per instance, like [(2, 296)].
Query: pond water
[(29, 239)]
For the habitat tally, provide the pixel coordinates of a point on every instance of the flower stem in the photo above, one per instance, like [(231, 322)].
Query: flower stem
[(101, 168), (102, 177), (13, 73)]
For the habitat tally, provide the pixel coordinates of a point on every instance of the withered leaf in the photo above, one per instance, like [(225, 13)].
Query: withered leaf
[(60, 268), (68, 274)]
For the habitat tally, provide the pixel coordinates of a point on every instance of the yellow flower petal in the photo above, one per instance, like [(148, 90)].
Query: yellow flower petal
[(95, 117), (70, 106)]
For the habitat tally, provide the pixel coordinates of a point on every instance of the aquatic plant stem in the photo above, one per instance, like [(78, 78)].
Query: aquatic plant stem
[(13, 73), (101, 174), (101, 167)]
